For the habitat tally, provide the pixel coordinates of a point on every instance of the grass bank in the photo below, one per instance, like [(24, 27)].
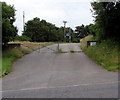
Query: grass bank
[(105, 54), (9, 55)]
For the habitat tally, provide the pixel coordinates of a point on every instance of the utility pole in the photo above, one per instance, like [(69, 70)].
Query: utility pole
[(23, 21), (64, 28), (69, 34)]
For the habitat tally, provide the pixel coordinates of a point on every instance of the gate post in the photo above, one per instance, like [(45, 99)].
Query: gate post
[(58, 46)]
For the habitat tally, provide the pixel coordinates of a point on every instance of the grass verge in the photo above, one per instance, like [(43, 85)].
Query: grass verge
[(105, 54), (9, 55), (60, 51)]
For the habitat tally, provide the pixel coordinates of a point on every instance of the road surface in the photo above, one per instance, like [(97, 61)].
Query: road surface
[(48, 74)]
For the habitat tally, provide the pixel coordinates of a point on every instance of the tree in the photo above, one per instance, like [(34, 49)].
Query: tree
[(32, 29), (9, 31), (82, 31), (107, 19), (42, 31), (22, 38), (60, 34)]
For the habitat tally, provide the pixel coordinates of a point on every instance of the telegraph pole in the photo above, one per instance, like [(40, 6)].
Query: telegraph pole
[(23, 21), (70, 34), (64, 28)]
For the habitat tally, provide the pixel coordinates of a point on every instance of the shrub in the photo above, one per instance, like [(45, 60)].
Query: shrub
[(22, 38), (76, 40)]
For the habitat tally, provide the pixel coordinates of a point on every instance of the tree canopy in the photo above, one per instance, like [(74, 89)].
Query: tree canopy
[(42, 31), (9, 31), (82, 31), (107, 19)]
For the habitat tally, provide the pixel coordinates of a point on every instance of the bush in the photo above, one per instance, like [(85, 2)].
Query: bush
[(22, 38), (76, 40), (14, 52)]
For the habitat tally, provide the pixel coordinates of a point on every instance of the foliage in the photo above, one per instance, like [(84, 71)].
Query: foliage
[(73, 35), (60, 51), (107, 19), (22, 38), (106, 53), (76, 40), (11, 54), (6, 62), (42, 31), (106, 29), (9, 31), (92, 29), (82, 31)]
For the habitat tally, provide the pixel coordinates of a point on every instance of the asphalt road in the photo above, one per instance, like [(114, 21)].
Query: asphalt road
[(48, 74)]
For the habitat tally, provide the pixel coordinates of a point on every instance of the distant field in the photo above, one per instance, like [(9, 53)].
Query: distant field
[(11, 54)]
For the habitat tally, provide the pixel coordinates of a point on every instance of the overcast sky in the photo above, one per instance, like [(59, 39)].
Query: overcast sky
[(76, 12)]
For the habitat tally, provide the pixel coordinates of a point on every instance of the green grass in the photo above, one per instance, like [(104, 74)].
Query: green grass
[(0, 67), (60, 51), (7, 63), (9, 56), (12, 54), (72, 51), (106, 54)]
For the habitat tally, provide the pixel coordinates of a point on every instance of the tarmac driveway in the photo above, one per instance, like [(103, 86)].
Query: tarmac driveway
[(45, 69)]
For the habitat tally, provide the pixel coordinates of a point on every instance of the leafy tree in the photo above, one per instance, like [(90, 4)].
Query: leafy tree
[(22, 38), (60, 34), (41, 31), (82, 31), (107, 19), (32, 29), (9, 31)]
